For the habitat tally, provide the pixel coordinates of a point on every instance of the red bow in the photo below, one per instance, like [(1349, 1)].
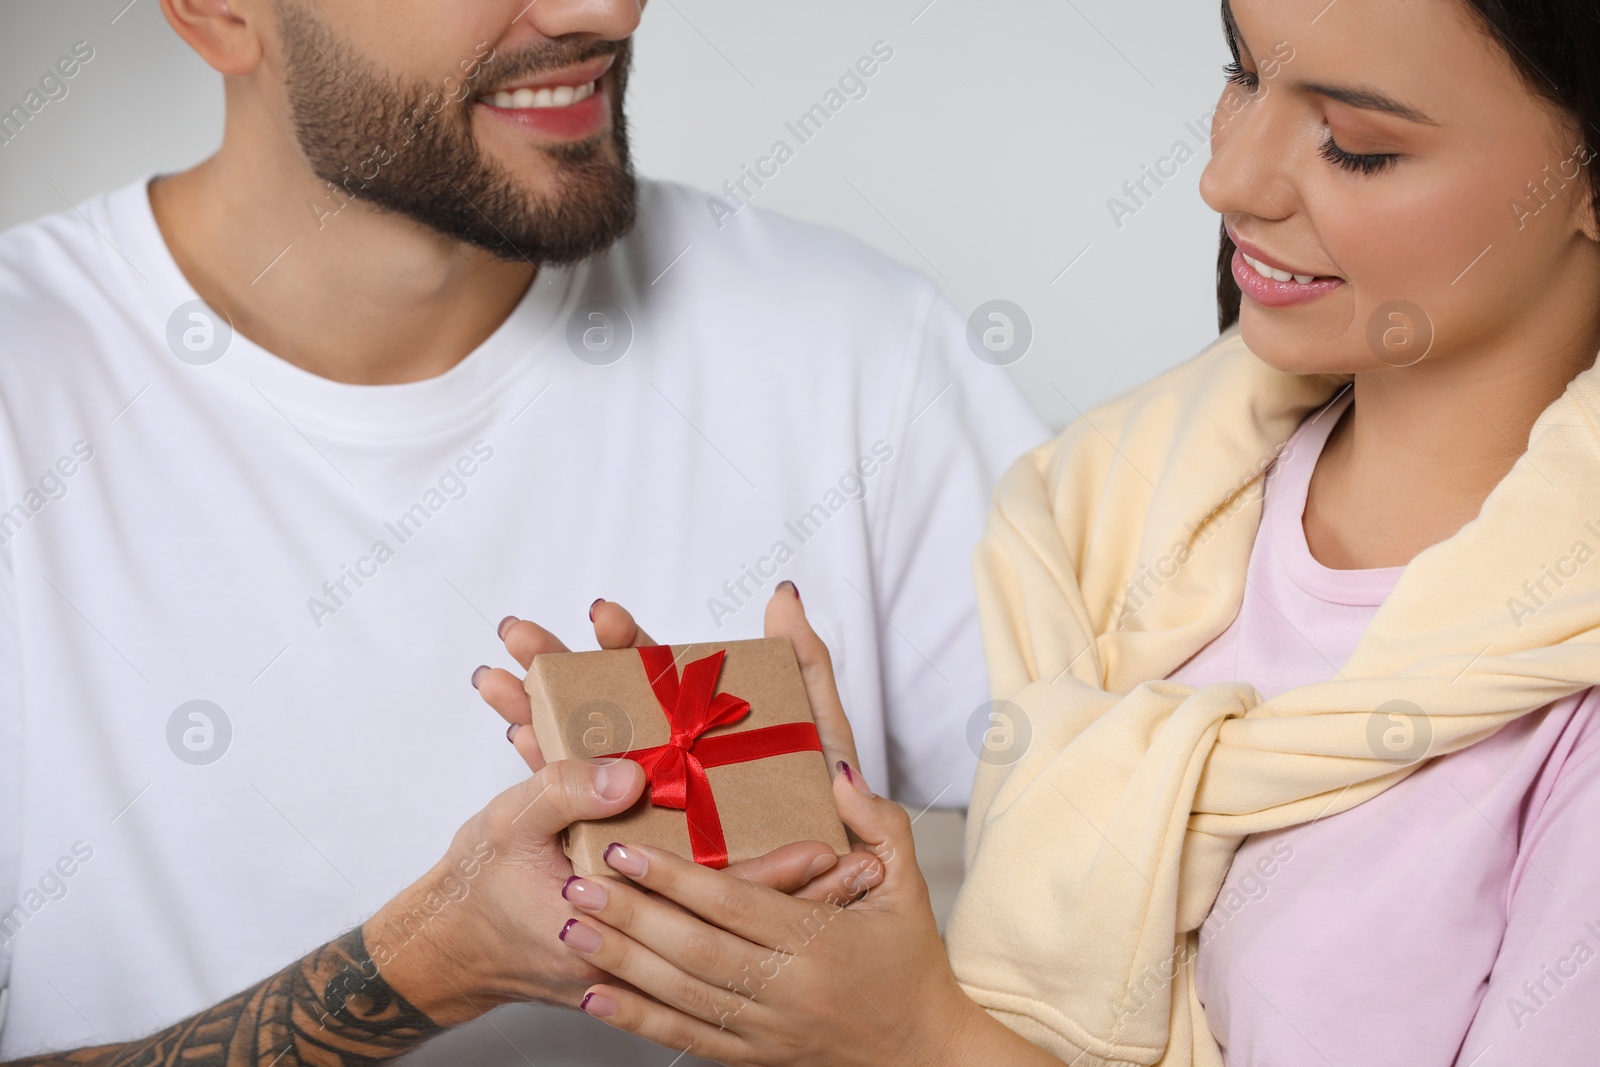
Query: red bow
[(677, 769)]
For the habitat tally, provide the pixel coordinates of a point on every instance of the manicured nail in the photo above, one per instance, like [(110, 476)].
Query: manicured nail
[(627, 861), (477, 675), (612, 780), (825, 862), (581, 937), (855, 779), (582, 893), (511, 732), (500, 630), (795, 589), (599, 1005), (597, 603)]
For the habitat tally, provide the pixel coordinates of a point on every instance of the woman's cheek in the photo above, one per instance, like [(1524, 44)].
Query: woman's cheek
[(1406, 249)]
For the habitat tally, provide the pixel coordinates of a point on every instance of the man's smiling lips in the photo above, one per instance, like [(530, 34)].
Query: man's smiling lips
[(567, 105)]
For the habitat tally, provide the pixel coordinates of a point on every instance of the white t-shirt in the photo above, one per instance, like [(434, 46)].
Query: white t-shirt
[(325, 564)]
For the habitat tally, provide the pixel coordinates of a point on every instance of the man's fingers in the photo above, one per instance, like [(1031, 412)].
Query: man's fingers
[(614, 626), (846, 880), (788, 868), (786, 617), (570, 791), (525, 640)]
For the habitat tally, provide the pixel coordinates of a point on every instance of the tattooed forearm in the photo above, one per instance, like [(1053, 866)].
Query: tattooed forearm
[(330, 1009)]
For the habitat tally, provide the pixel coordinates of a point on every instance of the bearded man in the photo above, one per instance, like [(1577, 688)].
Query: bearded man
[(281, 437)]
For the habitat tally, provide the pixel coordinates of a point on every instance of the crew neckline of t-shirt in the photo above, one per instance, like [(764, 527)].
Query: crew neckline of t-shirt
[(410, 409), (1367, 587)]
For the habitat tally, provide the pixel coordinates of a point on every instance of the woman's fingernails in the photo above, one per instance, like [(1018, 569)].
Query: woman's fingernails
[(822, 864), (477, 675), (787, 584), (583, 938), (511, 732), (582, 893), (855, 779), (599, 1005), (626, 861), (597, 603), (500, 631)]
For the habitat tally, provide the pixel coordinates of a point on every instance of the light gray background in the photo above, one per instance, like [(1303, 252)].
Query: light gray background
[(984, 153)]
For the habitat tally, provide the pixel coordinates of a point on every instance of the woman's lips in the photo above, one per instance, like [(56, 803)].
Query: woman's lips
[(1273, 283), (1270, 292)]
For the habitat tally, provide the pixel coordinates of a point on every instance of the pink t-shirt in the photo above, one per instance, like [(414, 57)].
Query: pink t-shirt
[(1455, 918)]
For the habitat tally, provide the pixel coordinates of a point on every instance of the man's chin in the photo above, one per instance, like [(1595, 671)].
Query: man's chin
[(567, 217)]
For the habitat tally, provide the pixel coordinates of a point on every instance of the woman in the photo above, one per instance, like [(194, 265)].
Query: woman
[(1305, 632)]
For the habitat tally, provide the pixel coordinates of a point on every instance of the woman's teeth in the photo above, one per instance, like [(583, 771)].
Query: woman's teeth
[(1277, 275), (550, 96)]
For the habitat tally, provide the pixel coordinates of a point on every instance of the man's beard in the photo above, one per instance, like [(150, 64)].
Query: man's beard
[(351, 120)]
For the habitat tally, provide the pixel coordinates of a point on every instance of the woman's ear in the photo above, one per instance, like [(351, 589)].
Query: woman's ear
[(1589, 213), (225, 33), (1586, 206)]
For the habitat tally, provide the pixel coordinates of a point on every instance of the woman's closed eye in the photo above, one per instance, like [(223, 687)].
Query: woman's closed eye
[(1358, 162), (1361, 163)]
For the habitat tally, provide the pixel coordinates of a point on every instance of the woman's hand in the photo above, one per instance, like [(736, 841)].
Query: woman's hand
[(614, 627), (745, 975)]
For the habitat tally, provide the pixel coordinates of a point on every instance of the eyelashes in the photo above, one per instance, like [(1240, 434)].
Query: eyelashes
[(1352, 161), (1248, 80), (1355, 162)]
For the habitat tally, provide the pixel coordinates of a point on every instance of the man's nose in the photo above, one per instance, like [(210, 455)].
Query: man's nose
[(610, 20)]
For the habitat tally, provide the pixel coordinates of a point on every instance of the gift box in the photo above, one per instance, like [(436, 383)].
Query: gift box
[(723, 731)]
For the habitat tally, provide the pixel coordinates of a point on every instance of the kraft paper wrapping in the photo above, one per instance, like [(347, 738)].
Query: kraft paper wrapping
[(594, 705)]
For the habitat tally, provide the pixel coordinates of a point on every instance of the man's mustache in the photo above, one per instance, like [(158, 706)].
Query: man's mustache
[(538, 60)]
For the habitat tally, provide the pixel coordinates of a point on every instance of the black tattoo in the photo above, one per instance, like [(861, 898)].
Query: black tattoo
[(330, 1009)]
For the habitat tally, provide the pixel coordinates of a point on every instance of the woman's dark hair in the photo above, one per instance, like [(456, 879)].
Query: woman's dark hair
[(1555, 46)]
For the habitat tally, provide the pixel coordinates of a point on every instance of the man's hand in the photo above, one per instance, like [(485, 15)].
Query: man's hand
[(479, 930), (482, 928)]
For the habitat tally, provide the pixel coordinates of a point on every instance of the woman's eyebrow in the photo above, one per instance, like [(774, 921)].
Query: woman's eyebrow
[(1363, 97), (1366, 99), (1230, 29)]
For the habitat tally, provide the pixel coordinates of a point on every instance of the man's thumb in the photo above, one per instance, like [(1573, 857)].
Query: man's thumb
[(570, 791)]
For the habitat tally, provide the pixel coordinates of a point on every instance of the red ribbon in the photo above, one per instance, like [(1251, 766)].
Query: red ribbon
[(677, 769)]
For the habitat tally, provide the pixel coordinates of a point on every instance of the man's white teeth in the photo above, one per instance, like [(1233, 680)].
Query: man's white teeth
[(550, 96), (1277, 275)]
